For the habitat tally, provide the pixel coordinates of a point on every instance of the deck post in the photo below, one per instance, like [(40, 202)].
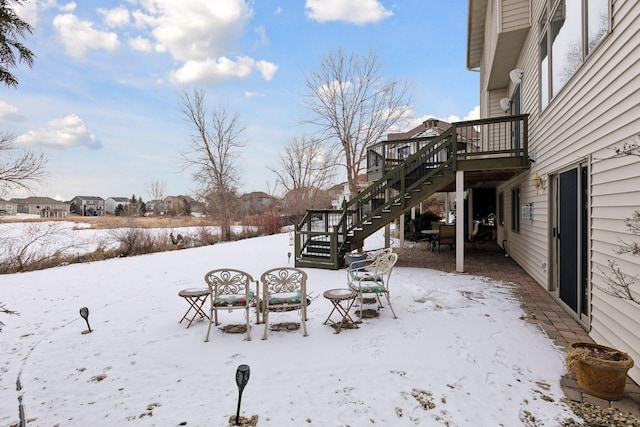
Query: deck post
[(460, 221)]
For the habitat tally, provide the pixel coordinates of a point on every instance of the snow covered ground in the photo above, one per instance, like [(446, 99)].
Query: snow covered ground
[(457, 355)]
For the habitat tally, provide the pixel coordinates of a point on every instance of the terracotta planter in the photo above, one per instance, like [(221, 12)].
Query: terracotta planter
[(600, 371)]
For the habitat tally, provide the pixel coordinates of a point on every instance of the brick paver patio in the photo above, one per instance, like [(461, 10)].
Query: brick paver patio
[(540, 307)]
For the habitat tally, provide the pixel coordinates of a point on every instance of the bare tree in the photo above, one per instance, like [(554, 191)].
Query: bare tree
[(213, 156), (156, 193), (354, 106), (617, 283), (19, 168), (304, 167), (12, 28)]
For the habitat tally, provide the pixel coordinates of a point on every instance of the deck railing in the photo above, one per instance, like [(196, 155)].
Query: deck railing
[(404, 170)]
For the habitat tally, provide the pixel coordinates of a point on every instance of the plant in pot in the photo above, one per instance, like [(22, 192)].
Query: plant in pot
[(602, 371)]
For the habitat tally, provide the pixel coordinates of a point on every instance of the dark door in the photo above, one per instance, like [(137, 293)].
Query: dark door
[(568, 238), (515, 110)]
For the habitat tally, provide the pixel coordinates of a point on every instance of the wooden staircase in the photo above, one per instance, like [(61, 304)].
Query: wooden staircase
[(323, 237)]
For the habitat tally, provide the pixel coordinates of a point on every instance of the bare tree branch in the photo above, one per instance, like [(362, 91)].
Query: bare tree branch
[(5, 310), (354, 106), (156, 193), (19, 168), (305, 167), (213, 156)]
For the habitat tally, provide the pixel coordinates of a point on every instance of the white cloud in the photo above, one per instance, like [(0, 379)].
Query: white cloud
[(267, 69), (221, 69), (117, 17), (67, 132), (249, 94), (9, 113), (28, 11), (473, 114), (71, 6), (141, 44), (263, 40), (198, 30), (354, 11), (77, 36)]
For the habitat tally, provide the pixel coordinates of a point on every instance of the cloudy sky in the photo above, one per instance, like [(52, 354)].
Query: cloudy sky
[(102, 100)]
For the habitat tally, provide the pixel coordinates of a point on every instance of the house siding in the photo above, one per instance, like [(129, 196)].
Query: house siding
[(514, 14), (595, 111), (615, 192)]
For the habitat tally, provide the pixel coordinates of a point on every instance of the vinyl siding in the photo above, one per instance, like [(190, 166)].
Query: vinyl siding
[(514, 14), (596, 110), (615, 193)]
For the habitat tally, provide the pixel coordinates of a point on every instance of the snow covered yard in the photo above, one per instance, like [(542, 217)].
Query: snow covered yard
[(458, 354)]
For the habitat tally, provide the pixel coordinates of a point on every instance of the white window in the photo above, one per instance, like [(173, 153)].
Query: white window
[(569, 31)]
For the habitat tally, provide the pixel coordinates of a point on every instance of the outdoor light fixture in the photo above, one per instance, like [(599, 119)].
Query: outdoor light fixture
[(516, 76), (242, 378), (538, 183), (504, 104), (84, 313), (289, 257)]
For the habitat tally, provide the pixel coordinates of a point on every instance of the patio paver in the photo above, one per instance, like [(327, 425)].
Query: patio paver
[(539, 306)]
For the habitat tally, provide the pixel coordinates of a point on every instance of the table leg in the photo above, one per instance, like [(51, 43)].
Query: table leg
[(195, 304), (344, 313)]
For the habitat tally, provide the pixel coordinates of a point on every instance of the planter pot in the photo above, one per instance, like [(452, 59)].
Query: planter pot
[(600, 371)]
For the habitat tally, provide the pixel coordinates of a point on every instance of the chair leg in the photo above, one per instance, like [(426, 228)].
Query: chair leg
[(304, 320), (248, 324), (210, 322), (390, 306), (265, 319)]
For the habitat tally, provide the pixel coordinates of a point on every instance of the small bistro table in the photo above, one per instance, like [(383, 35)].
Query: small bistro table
[(196, 299), (342, 300), (432, 238)]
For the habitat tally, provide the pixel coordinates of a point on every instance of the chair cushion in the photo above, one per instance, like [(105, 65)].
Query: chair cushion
[(363, 275), (231, 300), (368, 287), (286, 298)]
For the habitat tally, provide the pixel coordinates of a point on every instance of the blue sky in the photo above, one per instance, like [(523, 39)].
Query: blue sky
[(102, 100)]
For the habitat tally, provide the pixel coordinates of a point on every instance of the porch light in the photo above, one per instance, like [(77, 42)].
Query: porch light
[(516, 76), (538, 182)]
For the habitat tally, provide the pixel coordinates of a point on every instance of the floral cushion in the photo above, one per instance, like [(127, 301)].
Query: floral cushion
[(368, 287), (286, 298), (232, 300), (363, 275)]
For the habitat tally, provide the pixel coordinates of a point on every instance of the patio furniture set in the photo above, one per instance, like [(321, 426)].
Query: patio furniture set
[(285, 289)]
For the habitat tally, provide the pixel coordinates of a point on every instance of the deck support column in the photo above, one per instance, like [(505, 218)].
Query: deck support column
[(460, 221)]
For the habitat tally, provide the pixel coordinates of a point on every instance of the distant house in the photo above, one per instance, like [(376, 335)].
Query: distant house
[(8, 207), (156, 207), (87, 206), (256, 202), (111, 204), (180, 205), (46, 207)]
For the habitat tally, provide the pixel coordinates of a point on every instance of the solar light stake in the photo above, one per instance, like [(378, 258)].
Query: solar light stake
[(242, 378), (84, 313)]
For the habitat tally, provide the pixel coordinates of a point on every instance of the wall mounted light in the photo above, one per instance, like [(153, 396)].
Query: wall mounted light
[(538, 182), (516, 76), (504, 104)]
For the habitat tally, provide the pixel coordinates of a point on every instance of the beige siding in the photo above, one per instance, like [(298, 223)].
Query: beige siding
[(615, 194), (596, 110), (514, 15)]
